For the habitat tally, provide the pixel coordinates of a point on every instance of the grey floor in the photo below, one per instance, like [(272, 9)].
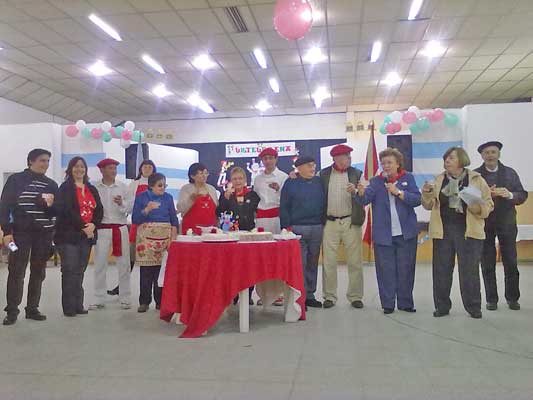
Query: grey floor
[(340, 353)]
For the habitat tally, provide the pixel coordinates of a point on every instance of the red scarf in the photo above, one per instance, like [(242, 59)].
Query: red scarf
[(338, 169), (390, 179), (243, 192)]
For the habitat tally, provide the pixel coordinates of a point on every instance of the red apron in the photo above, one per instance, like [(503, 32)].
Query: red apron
[(133, 229), (202, 212)]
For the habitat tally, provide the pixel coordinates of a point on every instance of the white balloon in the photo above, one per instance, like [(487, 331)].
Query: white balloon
[(396, 116), (414, 109), (125, 143), (80, 124), (129, 125), (106, 126)]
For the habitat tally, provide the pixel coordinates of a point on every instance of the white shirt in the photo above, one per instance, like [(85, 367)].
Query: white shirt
[(270, 198), (113, 213), (396, 227)]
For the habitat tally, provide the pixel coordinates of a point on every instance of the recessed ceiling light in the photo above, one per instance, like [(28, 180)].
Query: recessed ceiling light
[(161, 91), (105, 27), (99, 68), (260, 58), (416, 5), (376, 51), (274, 85), (392, 79), (320, 95), (203, 62), (153, 63), (196, 101), (314, 55), (263, 105), (433, 49)]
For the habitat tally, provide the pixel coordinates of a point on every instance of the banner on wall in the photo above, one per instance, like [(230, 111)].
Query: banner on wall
[(242, 150)]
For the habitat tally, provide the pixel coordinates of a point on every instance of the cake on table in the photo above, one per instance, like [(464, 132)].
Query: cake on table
[(255, 235)]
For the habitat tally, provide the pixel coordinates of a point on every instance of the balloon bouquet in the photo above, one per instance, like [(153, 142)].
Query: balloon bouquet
[(106, 132), (417, 120)]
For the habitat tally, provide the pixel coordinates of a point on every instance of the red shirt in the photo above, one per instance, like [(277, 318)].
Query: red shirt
[(87, 203)]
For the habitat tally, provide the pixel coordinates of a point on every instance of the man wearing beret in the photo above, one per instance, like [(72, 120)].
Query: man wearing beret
[(27, 218), (507, 192), (302, 210), (112, 234), (344, 218)]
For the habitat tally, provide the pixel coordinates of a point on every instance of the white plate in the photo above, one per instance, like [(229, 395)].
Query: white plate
[(282, 237), (188, 239)]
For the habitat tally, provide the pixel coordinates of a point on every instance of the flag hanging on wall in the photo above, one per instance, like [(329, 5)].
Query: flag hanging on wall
[(371, 169)]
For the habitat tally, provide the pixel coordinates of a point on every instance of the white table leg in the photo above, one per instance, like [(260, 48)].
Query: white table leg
[(244, 311)]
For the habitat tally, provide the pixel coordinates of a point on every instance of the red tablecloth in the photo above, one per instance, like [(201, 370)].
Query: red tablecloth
[(201, 279)]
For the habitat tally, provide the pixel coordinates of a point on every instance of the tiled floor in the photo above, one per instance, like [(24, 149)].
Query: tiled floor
[(340, 353)]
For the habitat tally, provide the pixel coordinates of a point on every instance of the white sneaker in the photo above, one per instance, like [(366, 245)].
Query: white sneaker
[(125, 306), (96, 306)]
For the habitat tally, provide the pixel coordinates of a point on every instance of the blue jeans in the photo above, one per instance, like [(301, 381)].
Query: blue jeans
[(310, 247)]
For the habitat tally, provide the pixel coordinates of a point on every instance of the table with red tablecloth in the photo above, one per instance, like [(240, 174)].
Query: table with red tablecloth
[(201, 279)]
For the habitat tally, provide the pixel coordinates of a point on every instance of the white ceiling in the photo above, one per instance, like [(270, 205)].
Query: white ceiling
[(48, 45)]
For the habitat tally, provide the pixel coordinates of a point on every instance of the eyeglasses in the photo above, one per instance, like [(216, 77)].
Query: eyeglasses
[(163, 185), (206, 173)]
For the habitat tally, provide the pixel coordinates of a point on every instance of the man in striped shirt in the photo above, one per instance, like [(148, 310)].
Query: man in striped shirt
[(27, 219)]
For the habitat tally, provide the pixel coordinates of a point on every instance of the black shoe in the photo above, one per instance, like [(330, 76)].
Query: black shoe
[(476, 314), (492, 306), (158, 306), (113, 292), (70, 314), (10, 320), (357, 304), (438, 314), (313, 303), (328, 304), (388, 310), (82, 312), (514, 305), (408, 309), (36, 316), (250, 302)]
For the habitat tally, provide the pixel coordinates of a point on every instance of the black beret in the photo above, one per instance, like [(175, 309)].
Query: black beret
[(482, 147), (303, 160)]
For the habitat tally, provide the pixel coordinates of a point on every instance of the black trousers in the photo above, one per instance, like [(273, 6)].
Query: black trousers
[(74, 260), (34, 247), (149, 276), (468, 253), (507, 240)]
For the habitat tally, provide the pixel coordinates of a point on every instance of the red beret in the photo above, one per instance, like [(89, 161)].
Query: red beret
[(340, 149), (269, 151), (107, 161)]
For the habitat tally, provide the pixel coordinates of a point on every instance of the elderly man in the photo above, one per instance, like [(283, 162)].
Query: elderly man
[(507, 192), (112, 234), (27, 219), (344, 218), (302, 209)]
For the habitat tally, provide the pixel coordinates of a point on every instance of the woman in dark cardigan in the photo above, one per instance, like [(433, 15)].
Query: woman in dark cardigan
[(79, 210)]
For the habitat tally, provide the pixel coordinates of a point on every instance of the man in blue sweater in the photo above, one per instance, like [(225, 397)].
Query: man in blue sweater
[(302, 209)]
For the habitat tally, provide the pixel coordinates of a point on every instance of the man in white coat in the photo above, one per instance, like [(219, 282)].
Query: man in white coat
[(112, 235)]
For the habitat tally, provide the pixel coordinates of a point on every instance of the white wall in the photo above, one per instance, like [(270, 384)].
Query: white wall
[(15, 113)]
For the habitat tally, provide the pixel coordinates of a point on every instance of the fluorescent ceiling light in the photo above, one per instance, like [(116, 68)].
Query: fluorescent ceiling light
[(433, 49), (161, 91), (196, 101), (416, 5), (263, 105), (203, 62), (99, 68), (392, 79), (260, 58), (105, 27), (376, 51), (320, 95), (153, 63), (314, 55), (274, 85)]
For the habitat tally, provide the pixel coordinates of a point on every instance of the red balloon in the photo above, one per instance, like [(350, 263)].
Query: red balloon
[(71, 131), (293, 18)]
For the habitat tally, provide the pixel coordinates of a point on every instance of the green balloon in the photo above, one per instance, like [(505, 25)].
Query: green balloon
[(387, 120), (118, 130), (86, 133), (136, 137), (382, 129), (106, 137), (451, 119), (414, 128)]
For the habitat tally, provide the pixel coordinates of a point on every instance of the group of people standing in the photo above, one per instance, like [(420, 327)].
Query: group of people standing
[(325, 208)]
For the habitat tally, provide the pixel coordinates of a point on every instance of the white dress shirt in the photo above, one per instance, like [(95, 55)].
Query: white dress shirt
[(113, 213), (270, 198)]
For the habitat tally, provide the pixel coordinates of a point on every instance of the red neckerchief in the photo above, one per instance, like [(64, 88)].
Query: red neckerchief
[(400, 173), (341, 170), (242, 193)]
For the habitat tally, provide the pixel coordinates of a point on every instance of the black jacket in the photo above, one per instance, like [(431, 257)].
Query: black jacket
[(22, 208), (244, 212), (504, 209), (69, 224)]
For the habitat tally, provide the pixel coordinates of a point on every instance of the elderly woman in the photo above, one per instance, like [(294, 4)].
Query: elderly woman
[(393, 195), (457, 228), (198, 200), (155, 214)]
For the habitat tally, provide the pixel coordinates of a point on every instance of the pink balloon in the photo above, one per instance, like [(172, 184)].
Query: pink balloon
[(409, 117), (390, 128), (126, 135), (438, 115), (112, 132), (397, 127), (293, 18), (71, 131), (97, 133)]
